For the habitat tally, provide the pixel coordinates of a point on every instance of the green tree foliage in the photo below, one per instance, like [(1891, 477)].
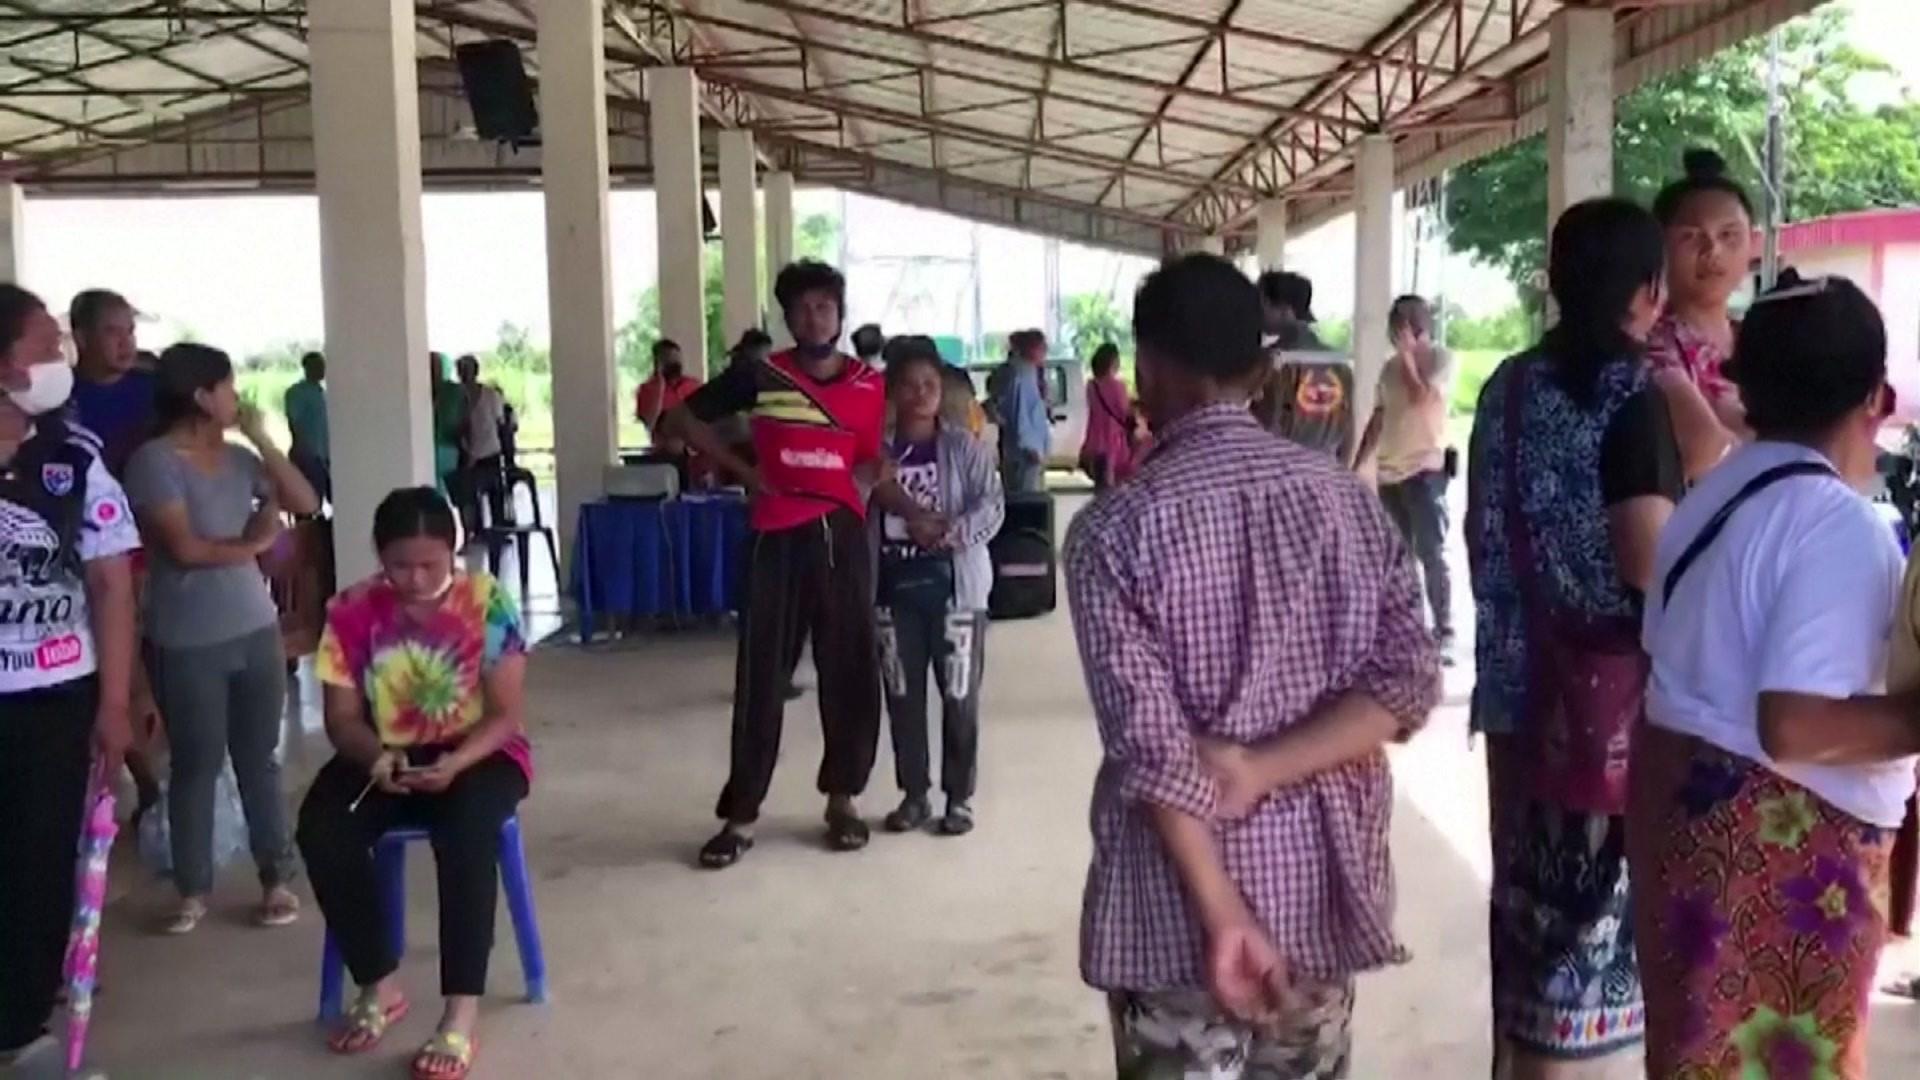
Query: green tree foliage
[(1334, 333), (1091, 319), (280, 356), (816, 237), (1840, 156), (1504, 332)]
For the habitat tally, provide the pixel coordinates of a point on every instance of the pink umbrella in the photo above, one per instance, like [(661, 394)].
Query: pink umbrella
[(90, 894)]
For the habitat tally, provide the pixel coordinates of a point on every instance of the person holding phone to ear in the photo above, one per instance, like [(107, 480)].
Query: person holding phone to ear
[(423, 666), (209, 509)]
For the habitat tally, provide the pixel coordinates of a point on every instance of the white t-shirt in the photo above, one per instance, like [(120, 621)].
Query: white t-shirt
[(489, 411), (1797, 595), (46, 636)]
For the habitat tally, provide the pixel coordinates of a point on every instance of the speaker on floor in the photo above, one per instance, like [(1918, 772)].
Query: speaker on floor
[(499, 92)]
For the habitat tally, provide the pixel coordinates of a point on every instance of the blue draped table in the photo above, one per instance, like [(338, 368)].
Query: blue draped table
[(674, 557)]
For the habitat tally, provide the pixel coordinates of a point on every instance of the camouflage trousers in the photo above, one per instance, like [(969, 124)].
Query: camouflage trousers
[(1183, 1035)]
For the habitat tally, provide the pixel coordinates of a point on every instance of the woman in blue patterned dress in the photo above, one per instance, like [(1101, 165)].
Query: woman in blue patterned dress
[(1573, 470)]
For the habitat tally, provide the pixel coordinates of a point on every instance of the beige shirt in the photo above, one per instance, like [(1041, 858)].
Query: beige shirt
[(1413, 433)]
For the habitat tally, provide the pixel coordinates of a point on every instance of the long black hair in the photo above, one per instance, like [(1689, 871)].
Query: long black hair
[(414, 511), (16, 306), (1603, 252), (1809, 353), (185, 370), (1706, 173)]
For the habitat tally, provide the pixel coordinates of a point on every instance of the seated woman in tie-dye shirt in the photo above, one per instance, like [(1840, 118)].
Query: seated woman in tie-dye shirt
[(423, 667)]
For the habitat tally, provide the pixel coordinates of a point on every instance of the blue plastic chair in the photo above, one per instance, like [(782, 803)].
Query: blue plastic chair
[(390, 867)]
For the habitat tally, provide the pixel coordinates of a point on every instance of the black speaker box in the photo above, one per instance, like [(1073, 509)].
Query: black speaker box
[(499, 92)]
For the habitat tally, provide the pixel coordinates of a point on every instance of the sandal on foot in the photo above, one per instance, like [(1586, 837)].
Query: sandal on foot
[(914, 813), (279, 908), (368, 1019), (959, 820), (724, 849), (187, 919), (846, 832), (445, 1044)]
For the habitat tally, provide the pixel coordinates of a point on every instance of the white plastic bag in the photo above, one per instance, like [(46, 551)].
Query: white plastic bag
[(229, 826)]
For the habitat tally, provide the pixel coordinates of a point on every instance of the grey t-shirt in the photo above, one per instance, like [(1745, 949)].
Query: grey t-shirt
[(188, 607)]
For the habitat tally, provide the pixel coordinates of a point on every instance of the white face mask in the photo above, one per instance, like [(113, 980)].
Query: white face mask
[(48, 387)]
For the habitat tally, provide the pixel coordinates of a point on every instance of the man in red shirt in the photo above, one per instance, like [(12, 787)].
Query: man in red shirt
[(668, 388), (817, 416)]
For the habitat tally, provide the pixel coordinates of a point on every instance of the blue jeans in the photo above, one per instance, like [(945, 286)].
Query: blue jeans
[(1418, 507)]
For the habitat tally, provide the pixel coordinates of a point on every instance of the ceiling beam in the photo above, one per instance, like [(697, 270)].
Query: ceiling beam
[(944, 71), (1335, 86), (1289, 42), (1018, 56), (1186, 74), (874, 114)]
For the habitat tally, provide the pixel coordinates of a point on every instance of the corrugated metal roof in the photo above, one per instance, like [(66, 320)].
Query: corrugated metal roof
[(1126, 122)]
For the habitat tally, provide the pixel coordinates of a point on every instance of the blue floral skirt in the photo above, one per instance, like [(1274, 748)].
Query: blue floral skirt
[(1761, 912), (1565, 982)]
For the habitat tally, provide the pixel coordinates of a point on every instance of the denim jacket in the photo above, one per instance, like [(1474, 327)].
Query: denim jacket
[(972, 499)]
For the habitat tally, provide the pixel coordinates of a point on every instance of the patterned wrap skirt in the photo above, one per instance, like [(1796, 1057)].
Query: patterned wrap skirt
[(1760, 911), (1565, 983)]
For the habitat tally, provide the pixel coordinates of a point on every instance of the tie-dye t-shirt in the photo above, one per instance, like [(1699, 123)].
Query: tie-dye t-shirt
[(421, 679)]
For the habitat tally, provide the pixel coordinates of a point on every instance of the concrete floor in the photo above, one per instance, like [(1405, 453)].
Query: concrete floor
[(921, 957)]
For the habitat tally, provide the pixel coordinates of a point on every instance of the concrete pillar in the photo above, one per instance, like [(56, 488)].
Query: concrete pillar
[(573, 134), (366, 136), (1271, 242), (739, 233), (1373, 268), (1579, 108), (13, 229), (779, 245), (674, 109)]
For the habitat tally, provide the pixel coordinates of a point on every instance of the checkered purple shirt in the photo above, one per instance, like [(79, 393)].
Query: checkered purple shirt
[(1235, 584)]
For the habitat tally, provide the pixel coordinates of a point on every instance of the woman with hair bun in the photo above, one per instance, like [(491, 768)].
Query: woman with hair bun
[(1708, 218)]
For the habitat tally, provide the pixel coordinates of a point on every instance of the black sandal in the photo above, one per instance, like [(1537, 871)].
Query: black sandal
[(724, 849), (846, 832), (913, 814), (959, 820)]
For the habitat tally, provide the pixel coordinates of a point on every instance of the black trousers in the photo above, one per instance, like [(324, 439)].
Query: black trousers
[(1418, 507), (815, 580), (915, 637), (464, 821), (46, 750), (482, 479)]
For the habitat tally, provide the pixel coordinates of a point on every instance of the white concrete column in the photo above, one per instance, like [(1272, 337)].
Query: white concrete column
[(573, 156), (1373, 268), (13, 230), (739, 233), (780, 226), (1579, 108), (1271, 242), (674, 111), (1211, 244), (366, 136)]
